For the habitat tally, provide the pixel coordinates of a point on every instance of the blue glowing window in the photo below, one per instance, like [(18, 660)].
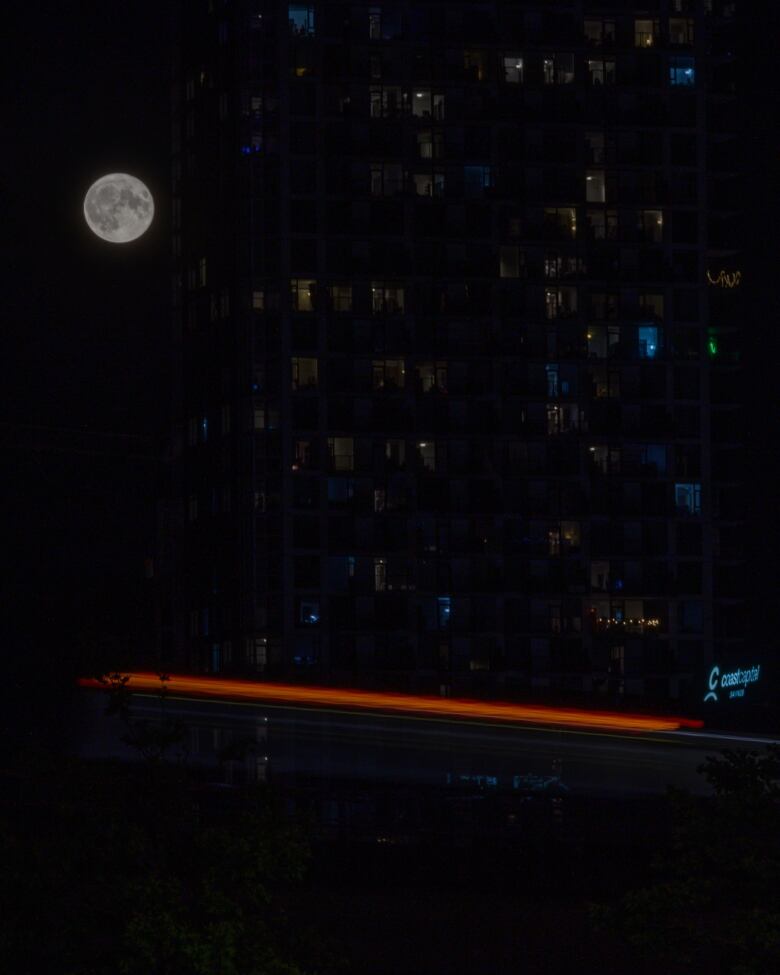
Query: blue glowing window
[(310, 613), (687, 498), (341, 490), (204, 428), (306, 650), (476, 179), (682, 71), (444, 606), (691, 618), (552, 380), (654, 457), (648, 341), (301, 18), (216, 658)]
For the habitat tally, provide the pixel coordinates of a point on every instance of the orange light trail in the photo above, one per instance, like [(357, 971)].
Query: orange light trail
[(403, 704)]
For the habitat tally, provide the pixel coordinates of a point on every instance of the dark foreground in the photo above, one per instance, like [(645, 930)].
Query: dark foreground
[(194, 837)]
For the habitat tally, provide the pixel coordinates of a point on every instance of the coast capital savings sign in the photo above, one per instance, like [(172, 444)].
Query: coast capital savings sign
[(735, 682)]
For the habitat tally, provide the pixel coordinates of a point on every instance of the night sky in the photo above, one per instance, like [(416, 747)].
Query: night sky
[(85, 323)]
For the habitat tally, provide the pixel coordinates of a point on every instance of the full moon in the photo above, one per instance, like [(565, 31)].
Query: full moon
[(118, 208)]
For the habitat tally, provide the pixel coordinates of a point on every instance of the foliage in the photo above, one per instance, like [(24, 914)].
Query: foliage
[(141, 869), (715, 901)]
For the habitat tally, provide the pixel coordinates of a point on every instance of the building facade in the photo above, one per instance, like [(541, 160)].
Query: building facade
[(456, 344)]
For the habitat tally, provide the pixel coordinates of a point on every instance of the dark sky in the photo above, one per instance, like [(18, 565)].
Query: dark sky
[(85, 324)]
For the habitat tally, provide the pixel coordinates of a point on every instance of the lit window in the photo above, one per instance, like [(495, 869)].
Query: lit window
[(258, 300), (341, 453), (309, 614), (601, 72), (513, 69), (386, 179), (648, 341), (388, 373), (427, 104), (387, 298), (599, 576), (304, 373), (257, 653), (429, 144), (301, 19), (426, 450), (682, 72), (651, 225), (380, 575), (432, 376), (687, 498), (558, 69), (387, 102), (570, 536), (375, 23), (560, 302), (594, 145), (341, 297), (560, 222), (680, 31), (302, 294), (444, 611), (562, 418), (603, 224), (645, 33), (475, 65), (552, 379), (595, 186), (428, 184)]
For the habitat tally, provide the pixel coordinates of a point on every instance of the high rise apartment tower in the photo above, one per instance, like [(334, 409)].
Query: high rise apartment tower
[(456, 342)]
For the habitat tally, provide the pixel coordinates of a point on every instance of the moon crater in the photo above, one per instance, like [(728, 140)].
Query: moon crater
[(118, 208)]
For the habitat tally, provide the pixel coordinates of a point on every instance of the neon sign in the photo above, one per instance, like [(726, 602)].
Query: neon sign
[(736, 682), (725, 279)]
